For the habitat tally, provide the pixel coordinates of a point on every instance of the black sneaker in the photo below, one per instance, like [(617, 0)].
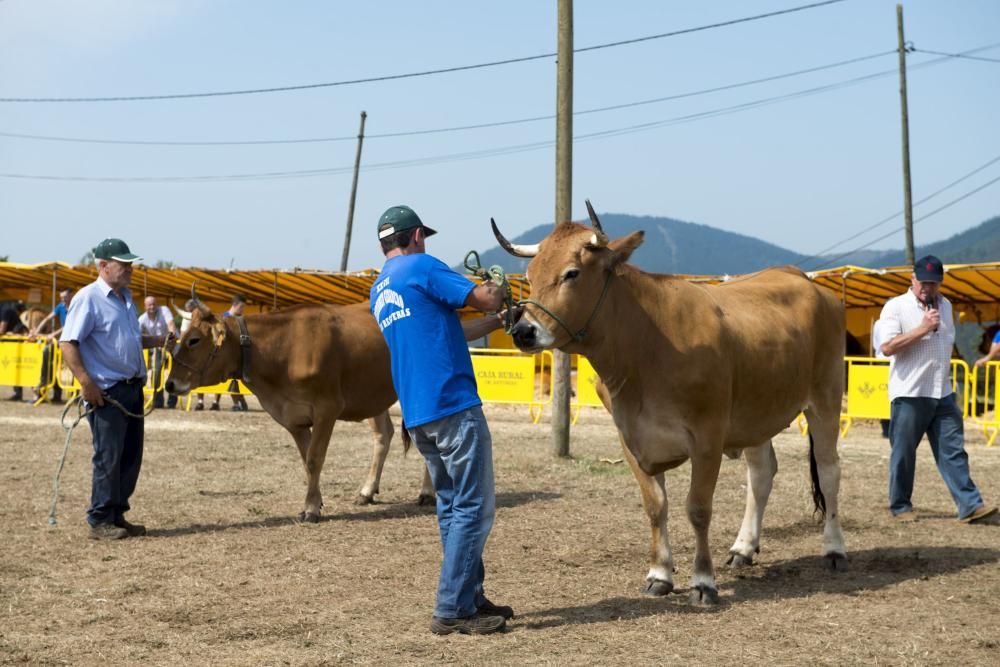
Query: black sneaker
[(107, 531), (214, 406), (490, 609), (199, 406), (133, 529), (477, 624)]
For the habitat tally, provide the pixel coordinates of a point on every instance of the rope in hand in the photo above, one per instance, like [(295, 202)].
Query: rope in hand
[(81, 412), (497, 275)]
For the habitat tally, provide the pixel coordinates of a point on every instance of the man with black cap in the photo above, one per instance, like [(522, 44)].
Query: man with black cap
[(10, 323), (102, 344), (415, 300), (918, 334)]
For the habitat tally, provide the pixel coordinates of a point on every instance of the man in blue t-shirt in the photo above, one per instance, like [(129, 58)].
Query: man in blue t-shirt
[(415, 300), (58, 319)]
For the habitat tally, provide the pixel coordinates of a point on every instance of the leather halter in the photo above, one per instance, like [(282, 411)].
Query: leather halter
[(585, 329), (242, 373)]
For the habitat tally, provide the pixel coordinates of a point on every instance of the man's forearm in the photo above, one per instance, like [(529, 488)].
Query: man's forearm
[(903, 341), (479, 327), (71, 357)]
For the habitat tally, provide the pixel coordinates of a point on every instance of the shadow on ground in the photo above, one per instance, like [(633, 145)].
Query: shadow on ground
[(375, 512), (871, 570)]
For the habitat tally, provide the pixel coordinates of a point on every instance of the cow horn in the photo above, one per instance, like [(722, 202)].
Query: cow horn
[(593, 217), (194, 291), (513, 248)]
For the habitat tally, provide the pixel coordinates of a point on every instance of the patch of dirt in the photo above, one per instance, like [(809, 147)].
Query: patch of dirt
[(227, 576)]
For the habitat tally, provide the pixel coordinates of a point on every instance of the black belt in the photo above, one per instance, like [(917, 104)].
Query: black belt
[(135, 380)]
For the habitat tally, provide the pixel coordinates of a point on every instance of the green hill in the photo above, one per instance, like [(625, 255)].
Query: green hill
[(674, 246)]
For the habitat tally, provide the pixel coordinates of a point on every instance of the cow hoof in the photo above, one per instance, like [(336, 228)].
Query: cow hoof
[(424, 499), (362, 499), (309, 517), (703, 596), (657, 588), (738, 560), (835, 562)]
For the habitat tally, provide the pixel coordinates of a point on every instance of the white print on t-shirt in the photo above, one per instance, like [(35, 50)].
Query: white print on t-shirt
[(386, 298)]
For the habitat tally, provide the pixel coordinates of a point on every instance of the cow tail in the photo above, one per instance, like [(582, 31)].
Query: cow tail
[(819, 501), (407, 440)]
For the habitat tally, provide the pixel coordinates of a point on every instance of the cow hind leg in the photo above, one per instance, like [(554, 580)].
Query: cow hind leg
[(382, 432), (427, 495), (660, 579), (762, 465), (825, 470), (704, 475)]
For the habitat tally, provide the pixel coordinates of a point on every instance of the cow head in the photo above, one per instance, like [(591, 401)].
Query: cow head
[(198, 358), (570, 276)]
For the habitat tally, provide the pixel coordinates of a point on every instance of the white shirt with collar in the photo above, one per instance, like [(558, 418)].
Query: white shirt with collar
[(157, 326), (923, 369)]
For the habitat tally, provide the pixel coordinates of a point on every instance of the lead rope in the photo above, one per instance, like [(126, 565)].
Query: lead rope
[(82, 412), (497, 275)]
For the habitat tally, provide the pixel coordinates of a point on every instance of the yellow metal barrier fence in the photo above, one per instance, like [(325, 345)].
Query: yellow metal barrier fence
[(510, 376)]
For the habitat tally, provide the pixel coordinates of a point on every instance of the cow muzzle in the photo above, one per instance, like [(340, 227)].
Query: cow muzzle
[(529, 336)]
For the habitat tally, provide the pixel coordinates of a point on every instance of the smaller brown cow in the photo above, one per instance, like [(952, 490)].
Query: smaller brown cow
[(308, 366)]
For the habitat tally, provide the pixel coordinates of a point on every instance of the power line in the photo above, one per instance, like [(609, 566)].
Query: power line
[(956, 55), (963, 197), (457, 128), (895, 215), (410, 75), (490, 152)]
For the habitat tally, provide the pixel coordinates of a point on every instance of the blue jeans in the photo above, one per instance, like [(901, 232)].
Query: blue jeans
[(459, 454), (117, 454), (941, 420)]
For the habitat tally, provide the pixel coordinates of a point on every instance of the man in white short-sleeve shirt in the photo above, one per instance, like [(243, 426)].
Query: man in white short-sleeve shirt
[(918, 333)]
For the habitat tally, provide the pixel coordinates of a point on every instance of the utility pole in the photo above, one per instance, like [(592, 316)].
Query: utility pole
[(907, 196), (354, 194), (564, 209)]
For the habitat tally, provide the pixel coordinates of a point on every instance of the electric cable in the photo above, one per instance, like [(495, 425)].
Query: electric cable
[(410, 75)]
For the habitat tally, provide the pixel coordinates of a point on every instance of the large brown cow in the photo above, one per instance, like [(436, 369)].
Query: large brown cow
[(308, 366), (694, 371)]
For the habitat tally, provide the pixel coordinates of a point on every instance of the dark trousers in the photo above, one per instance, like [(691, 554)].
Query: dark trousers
[(117, 453), (48, 356)]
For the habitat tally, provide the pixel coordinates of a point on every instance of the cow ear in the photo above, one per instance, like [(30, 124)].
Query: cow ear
[(622, 249), (219, 333)]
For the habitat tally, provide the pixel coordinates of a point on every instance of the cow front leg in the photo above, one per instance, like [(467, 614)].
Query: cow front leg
[(652, 488), (382, 431), (704, 475), (762, 465), (314, 459)]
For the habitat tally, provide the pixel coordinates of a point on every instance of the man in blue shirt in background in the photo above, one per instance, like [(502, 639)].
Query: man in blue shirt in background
[(415, 300), (102, 344), (58, 319)]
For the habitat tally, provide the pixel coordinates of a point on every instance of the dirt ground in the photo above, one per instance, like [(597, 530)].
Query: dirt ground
[(226, 576)]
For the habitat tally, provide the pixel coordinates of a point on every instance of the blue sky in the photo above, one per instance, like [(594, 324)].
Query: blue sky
[(803, 173)]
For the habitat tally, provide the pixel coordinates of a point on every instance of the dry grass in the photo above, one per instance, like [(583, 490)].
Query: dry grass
[(225, 576)]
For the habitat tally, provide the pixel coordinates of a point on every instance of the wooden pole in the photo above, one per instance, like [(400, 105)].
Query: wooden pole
[(564, 195), (354, 194), (907, 196)]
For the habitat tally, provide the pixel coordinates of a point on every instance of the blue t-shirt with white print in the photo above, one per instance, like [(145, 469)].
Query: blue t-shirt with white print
[(414, 301)]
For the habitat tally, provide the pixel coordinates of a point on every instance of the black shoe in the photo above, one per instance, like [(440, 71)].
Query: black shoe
[(239, 408), (477, 624), (214, 406), (490, 609), (133, 529), (15, 397), (107, 531), (199, 406)]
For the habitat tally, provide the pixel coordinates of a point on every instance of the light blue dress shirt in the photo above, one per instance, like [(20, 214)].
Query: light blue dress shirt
[(107, 331)]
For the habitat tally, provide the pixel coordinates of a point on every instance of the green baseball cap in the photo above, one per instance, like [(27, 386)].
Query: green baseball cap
[(400, 218), (115, 249)]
